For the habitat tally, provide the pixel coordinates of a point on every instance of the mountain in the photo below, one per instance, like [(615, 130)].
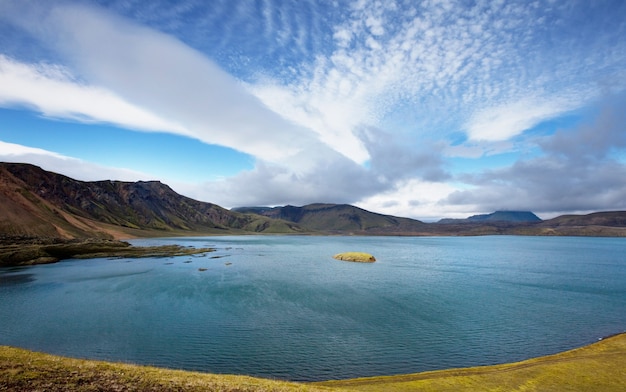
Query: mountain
[(339, 218), (608, 218), (498, 216), (597, 224), (41, 203), (35, 202), (507, 216)]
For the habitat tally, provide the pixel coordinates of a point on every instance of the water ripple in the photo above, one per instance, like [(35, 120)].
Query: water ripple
[(295, 313)]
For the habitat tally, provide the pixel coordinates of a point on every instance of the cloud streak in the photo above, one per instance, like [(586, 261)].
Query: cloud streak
[(157, 71), (42, 85), (72, 167)]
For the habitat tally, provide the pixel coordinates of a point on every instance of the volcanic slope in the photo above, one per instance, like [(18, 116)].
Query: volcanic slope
[(36, 202)]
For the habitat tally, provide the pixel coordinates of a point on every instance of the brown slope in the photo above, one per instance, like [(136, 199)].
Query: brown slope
[(608, 218), (597, 224), (24, 213), (39, 202)]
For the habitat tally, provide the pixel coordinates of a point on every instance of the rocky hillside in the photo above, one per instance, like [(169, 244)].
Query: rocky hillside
[(42, 203), (608, 218), (339, 218), (498, 216), (600, 224)]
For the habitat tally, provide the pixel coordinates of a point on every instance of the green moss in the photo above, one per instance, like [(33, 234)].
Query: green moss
[(359, 257), (37, 253)]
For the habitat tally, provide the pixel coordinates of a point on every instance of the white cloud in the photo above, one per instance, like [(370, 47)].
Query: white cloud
[(71, 167), (435, 67), (53, 92), (416, 199), (332, 119), (505, 121), (11, 152), (156, 71), (335, 179), (431, 65)]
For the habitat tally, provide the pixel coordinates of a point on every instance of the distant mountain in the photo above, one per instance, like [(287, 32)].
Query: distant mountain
[(609, 218), (339, 218), (498, 216), (42, 203), (35, 202), (597, 224), (507, 216)]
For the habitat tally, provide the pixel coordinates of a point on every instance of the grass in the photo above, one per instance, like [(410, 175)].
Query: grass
[(23, 370), (360, 257), (597, 367)]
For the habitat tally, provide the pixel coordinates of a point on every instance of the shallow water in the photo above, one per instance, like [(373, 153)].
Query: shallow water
[(282, 307)]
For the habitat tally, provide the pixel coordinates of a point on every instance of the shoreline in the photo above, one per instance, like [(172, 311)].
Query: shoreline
[(32, 250), (25, 251), (596, 365)]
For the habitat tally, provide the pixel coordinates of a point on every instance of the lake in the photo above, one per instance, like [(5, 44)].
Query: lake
[(282, 307)]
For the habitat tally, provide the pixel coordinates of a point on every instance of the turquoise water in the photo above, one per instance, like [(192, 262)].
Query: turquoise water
[(282, 307)]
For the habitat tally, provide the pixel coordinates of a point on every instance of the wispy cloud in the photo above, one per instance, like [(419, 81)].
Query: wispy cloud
[(508, 120), (52, 90), (440, 67), (75, 168), (157, 71)]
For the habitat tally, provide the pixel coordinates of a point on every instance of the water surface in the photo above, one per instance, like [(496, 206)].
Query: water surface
[(282, 307)]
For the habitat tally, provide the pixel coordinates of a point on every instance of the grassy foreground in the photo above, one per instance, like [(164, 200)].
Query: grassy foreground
[(597, 367), (23, 370)]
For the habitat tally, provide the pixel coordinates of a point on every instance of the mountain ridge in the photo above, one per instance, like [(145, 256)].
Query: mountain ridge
[(39, 203), (338, 217), (498, 216)]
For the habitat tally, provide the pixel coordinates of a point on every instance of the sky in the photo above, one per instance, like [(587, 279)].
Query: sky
[(423, 109)]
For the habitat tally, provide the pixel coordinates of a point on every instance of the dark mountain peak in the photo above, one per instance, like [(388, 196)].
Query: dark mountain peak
[(507, 216), (498, 216)]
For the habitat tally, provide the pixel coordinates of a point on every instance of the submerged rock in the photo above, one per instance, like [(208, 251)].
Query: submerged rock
[(359, 257)]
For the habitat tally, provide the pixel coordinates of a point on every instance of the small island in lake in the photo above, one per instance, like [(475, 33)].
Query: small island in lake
[(359, 257)]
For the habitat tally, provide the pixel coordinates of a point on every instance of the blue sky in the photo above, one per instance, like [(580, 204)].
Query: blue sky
[(425, 109)]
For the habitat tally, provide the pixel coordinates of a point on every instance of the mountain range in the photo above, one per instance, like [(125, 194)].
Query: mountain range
[(35, 202), (498, 216)]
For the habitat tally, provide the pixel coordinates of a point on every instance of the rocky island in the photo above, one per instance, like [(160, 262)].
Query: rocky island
[(359, 257)]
